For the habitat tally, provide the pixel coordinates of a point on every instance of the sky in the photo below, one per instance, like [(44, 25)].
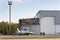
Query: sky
[(22, 9)]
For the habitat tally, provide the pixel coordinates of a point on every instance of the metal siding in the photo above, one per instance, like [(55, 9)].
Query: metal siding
[(50, 13), (35, 29), (57, 29), (47, 25)]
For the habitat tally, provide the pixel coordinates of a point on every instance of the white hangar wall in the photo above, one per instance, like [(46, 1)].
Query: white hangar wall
[(53, 26), (47, 25), (34, 28), (57, 29), (26, 27)]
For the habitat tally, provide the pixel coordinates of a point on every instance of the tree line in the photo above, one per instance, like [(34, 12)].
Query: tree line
[(4, 27)]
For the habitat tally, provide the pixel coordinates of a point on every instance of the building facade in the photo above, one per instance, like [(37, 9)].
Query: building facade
[(49, 22)]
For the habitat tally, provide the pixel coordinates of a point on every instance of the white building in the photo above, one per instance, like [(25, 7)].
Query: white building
[(49, 22)]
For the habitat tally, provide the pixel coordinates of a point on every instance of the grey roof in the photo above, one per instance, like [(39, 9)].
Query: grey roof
[(50, 13)]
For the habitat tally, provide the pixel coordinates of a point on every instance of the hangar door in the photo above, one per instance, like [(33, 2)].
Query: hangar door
[(47, 25)]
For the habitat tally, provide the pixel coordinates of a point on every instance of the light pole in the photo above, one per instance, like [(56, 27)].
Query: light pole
[(10, 3)]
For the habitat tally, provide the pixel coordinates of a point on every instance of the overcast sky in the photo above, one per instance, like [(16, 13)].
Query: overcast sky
[(26, 8)]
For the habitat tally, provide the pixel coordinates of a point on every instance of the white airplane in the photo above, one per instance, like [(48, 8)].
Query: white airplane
[(24, 31)]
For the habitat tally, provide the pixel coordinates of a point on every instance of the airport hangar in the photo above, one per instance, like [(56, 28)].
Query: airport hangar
[(46, 21)]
